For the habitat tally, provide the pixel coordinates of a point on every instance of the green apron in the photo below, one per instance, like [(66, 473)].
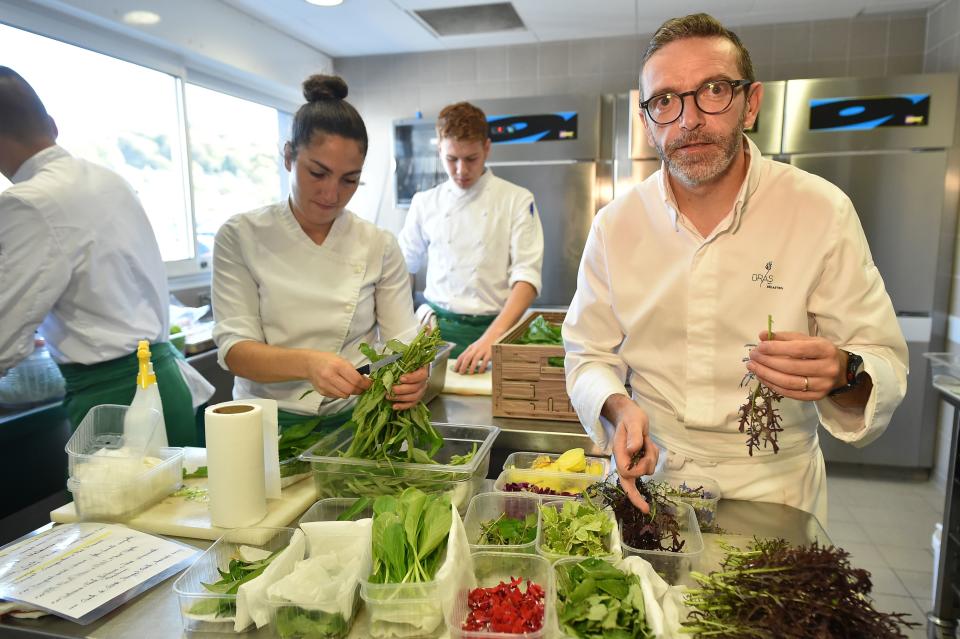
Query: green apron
[(462, 330), (115, 382), (300, 432)]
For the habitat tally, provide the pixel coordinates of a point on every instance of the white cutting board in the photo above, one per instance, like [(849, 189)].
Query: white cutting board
[(179, 517), (477, 384)]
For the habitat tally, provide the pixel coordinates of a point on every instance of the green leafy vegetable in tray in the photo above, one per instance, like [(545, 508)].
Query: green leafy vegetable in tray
[(409, 536), (508, 531), (238, 573), (541, 331), (294, 622), (596, 600)]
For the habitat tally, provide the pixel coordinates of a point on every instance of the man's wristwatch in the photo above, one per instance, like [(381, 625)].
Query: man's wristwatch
[(854, 370)]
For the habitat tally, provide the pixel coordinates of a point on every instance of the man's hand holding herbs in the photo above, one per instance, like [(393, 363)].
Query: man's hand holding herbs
[(476, 356), (333, 376), (634, 451), (410, 390), (798, 366)]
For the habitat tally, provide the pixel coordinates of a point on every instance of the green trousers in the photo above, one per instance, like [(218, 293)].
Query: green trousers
[(115, 382), (462, 330)]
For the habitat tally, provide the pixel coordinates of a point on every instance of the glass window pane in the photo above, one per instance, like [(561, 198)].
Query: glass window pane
[(235, 152), (118, 114)]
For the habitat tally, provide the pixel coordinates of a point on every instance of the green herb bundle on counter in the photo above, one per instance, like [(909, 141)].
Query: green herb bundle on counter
[(409, 536), (597, 600), (778, 591)]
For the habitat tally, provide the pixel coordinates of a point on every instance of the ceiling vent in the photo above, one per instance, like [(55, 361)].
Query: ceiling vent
[(471, 20)]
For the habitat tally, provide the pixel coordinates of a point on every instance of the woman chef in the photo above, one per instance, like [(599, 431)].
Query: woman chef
[(299, 284)]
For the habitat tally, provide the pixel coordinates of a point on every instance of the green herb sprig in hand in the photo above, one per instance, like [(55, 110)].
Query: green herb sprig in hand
[(759, 418)]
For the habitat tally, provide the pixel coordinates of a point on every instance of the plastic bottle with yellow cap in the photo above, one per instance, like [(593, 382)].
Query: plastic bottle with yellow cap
[(147, 396)]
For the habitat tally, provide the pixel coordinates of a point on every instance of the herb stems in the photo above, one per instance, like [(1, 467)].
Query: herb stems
[(759, 418)]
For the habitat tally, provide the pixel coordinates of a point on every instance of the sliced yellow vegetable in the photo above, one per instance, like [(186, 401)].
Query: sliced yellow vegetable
[(572, 461)]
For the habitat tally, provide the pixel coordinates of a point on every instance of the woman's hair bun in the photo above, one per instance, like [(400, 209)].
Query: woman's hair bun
[(324, 87)]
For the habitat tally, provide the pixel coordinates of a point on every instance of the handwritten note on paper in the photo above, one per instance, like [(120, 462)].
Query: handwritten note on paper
[(82, 571)]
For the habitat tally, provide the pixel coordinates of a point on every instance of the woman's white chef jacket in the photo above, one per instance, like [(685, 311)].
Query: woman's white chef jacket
[(675, 314), (272, 284), (478, 242)]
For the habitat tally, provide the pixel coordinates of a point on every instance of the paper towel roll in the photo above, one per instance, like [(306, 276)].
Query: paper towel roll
[(236, 484)]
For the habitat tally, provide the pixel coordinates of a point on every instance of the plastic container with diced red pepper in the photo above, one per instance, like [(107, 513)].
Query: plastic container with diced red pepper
[(507, 595)]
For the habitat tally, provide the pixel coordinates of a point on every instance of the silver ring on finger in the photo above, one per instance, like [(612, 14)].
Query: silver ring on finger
[(806, 384)]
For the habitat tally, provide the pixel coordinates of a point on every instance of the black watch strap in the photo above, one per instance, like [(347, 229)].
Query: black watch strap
[(853, 372)]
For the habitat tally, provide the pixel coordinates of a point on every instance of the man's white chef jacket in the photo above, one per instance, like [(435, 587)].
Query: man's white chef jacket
[(79, 261), (273, 284), (674, 313), (478, 242)]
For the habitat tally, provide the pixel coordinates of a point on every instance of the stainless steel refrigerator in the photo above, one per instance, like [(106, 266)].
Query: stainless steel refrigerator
[(551, 145), (890, 144)]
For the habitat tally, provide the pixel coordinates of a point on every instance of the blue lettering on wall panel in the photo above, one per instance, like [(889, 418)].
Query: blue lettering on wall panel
[(865, 113), (526, 129)]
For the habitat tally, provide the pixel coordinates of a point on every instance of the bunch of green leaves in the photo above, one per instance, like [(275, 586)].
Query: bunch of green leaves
[(778, 591), (295, 440), (409, 536), (294, 622), (759, 418), (238, 573), (541, 331), (508, 531), (577, 528), (380, 432), (596, 600)]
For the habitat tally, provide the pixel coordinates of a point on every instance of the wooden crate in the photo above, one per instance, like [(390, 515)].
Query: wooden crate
[(524, 384)]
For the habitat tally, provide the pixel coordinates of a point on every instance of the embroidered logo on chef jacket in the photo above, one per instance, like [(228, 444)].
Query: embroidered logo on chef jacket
[(765, 280)]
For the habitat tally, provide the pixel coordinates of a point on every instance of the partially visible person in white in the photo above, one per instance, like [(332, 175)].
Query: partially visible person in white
[(79, 264), (680, 273), (299, 284), (481, 239)]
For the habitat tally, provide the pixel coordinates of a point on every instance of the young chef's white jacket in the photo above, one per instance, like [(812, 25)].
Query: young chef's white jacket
[(479, 242), (79, 260), (272, 284), (674, 314)]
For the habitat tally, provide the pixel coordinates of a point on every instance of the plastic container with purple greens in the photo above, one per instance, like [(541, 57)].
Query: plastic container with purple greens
[(337, 476), (543, 484), (674, 567), (702, 493), (502, 522)]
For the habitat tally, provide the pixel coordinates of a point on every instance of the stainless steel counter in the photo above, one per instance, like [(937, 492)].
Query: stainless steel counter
[(156, 612)]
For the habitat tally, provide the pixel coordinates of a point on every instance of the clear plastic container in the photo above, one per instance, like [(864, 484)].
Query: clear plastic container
[(491, 568), (675, 567), (405, 610), (438, 373), (489, 506), (34, 380), (350, 477), (557, 609), (118, 495), (597, 467), (612, 543), (552, 485), (331, 508), (100, 438), (705, 507), (317, 619), (204, 611)]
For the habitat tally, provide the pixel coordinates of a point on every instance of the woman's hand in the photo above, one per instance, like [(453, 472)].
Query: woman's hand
[(333, 376), (410, 389)]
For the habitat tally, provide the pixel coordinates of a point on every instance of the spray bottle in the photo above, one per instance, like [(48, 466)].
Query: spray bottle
[(135, 425)]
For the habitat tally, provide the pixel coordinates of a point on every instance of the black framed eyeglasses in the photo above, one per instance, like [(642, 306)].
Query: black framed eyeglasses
[(712, 97)]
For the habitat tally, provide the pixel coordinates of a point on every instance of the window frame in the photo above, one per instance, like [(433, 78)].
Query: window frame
[(129, 45)]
